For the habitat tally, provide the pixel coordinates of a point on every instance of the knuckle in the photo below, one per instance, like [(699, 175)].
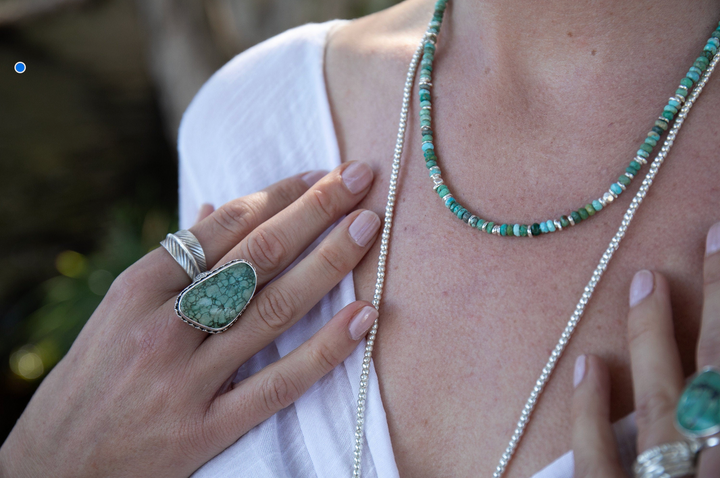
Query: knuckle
[(324, 358), (235, 217), (275, 309), (640, 330), (324, 204), (278, 391), (334, 262), (653, 407), (265, 250), (131, 283)]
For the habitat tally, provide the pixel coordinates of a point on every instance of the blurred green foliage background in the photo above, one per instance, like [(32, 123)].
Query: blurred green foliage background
[(88, 169)]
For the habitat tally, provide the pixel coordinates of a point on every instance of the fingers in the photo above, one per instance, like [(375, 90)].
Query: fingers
[(594, 446), (280, 384), (283, 302), (657, 373), (204, 211), (275, 244), (709, 342), (223, 229), (708, 352)]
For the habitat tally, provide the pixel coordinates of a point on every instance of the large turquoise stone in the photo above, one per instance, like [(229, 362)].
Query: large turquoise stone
[(215, 301), (698, 412)]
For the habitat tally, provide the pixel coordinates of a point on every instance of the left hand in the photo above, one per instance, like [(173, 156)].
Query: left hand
[(657, 374)]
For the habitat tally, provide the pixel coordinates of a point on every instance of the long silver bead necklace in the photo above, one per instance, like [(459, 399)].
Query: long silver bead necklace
[(527, 410)]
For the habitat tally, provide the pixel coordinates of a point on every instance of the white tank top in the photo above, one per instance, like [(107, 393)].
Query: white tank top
[(262, 117)]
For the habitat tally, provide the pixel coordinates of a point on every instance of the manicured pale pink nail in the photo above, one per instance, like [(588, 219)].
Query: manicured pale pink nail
[(357, 177), (713, 240), (313, 176), (364, 227), (641, 286), (579, 373), (361, 323)]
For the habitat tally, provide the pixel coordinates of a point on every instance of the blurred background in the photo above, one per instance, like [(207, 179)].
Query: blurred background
[(88, 166)]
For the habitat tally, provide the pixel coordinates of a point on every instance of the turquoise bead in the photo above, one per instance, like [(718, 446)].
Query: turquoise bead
[(635, 165), (652, 142), (489, 227), (523, 230), (624, 180), (674, 103), (576, 216), (596, 205), (616, 188), (643, 153), (550, 226), (503, 230), (671, 109), (564, 221), (544, 227), (427, 146), (654, 135), (698, 411), (472, 222), (516, 230), (693, 76)]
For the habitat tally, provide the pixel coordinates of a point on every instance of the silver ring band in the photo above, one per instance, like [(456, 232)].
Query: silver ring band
[(669, 460), (184, 247)]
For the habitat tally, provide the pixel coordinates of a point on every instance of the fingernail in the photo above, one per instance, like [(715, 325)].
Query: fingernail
[(364, 227), (713, 240), (641, 286), (313, 176), (361, 323), (357, 177), (579, 373)]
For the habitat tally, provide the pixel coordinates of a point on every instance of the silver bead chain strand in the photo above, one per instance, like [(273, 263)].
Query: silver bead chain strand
[(579, 308), (385, 241)]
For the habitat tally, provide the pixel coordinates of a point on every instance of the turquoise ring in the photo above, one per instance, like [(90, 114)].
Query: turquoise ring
[(216, 299), (698, 412)]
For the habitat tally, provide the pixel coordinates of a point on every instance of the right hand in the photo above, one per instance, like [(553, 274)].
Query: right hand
[(141, 393)]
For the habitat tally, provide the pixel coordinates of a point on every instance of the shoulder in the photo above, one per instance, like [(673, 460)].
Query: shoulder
[(266, 73), (261, 117), (365, 67)]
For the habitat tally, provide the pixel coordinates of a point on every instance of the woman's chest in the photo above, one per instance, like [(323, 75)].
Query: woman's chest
[(468, 320)]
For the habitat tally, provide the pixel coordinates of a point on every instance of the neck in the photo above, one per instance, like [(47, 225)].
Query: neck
[(551, 37)]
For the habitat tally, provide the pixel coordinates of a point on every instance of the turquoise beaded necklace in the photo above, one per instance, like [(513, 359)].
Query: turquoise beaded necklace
[(575, 217)]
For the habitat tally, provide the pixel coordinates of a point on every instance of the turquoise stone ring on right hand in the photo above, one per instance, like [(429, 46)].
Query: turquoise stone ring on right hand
[(216, 299), (698, 411)]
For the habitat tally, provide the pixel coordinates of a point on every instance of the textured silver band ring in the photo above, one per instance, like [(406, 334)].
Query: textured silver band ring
[(184, 247), (669, 460)]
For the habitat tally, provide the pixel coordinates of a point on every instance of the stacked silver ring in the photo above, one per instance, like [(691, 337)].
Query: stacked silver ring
[(184, 247), (669, 460)]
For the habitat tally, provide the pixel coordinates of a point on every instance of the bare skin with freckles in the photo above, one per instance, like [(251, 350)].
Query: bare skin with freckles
[(537, 108)]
